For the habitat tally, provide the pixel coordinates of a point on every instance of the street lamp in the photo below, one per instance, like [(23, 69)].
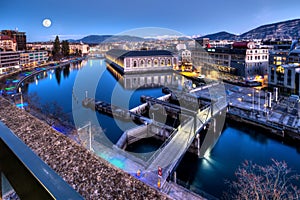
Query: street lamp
[(258, 91), (89, 126)]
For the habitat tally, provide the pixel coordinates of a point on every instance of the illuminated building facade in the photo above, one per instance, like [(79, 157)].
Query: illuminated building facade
[(33, 58), (19, 37), (83, 48), (284, 72), (141, 61), (7, 43), (243, 59), (9, 60)]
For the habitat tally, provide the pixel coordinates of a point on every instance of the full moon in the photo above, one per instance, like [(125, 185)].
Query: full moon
[(46, 22)]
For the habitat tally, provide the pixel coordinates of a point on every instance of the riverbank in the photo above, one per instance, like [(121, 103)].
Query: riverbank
[(248, 105), (274, 132), (91, 176)]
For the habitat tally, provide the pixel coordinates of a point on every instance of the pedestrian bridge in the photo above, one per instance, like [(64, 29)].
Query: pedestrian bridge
[(171, 152)]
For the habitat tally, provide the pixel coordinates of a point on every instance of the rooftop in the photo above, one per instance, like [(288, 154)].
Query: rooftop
[(291, 65), (124, 53), (5, 37)]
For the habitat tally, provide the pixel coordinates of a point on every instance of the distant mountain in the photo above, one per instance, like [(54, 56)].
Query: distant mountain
[(223, 35), (281, 30), (97, 39)]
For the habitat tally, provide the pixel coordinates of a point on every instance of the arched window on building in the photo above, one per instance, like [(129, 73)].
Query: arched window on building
[(169, 62), (149, 63), (162, 62), (134, 63), (155, 62), (142, 63)]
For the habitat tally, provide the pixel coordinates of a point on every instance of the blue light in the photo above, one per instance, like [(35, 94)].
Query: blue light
[(58, 129), (21, 105), (15, 81), (117, 163), (10, 92)]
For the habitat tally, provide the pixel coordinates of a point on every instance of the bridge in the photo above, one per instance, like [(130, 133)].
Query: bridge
[(171, 152), (177, 140), (96, 55)]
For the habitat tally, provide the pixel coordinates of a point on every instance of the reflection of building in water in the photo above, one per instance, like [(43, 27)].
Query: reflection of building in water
[(141, 61), (148, 80)]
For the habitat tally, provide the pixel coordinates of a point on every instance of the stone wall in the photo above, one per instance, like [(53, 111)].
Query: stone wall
[(91, 176)]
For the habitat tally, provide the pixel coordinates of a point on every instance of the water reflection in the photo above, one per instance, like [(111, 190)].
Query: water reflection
[(151, 80), (235, 145), (66, 71), (58, 75)]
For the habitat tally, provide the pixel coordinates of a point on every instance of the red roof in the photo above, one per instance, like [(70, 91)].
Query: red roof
[(240, 44), (5, 37)]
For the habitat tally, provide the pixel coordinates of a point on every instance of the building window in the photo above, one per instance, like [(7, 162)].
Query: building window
[(162, 62), (272, 74), (134, 63), (142, 63), (289, 78), (149, 63), (169, 62), (155, 62)]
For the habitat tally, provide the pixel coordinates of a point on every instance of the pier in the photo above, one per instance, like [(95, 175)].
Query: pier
[(114, 111)]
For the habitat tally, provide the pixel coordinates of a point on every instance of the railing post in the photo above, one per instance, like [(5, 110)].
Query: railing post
[(195, 123), (175, 177)]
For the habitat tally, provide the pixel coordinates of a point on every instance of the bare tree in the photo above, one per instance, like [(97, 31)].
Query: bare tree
[(275, 181)]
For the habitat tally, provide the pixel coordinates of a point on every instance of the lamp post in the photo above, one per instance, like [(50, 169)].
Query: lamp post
[(253, 102), (258, 100), (89, 125), (20, 91)]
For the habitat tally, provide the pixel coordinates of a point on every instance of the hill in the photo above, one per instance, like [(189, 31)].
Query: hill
[(281, 30), (97, 39), (223, 35), (289, 29)]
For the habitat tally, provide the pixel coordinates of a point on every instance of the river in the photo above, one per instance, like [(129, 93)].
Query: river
[(235, 145)]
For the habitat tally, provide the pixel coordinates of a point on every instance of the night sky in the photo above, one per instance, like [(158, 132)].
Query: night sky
[(76, 19)]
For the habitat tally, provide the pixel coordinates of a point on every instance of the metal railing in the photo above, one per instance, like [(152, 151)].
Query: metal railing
[(29, 176), (157, 152)]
